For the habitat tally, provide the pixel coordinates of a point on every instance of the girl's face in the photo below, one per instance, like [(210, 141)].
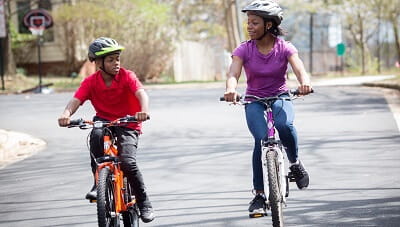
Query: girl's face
[(112, 63), (256, 26)]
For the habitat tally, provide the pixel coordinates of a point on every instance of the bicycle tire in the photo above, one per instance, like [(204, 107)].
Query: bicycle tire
[(106, 213), (131, 216), (275, 198)]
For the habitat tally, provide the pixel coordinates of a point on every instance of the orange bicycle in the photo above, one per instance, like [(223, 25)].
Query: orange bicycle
[(114, 194)]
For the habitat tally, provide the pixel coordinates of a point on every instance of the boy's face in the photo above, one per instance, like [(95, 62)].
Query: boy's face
[(111, 63)]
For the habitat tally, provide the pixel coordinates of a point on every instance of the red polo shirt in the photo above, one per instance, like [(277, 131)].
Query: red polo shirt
[(115, 101)]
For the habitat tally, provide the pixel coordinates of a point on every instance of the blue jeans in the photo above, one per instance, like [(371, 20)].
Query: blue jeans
[(283, 113)]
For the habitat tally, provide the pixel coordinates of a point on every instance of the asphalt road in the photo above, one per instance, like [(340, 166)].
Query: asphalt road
[(195, 155)]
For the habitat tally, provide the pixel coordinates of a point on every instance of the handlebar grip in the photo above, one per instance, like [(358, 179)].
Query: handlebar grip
[(76, 122), (296, 91), (133, 118), (237, 98)]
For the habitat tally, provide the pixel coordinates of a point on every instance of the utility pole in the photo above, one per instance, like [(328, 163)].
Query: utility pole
[(311, 43), (3, 34)]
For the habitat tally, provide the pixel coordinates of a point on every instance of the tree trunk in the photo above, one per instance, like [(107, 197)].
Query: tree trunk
[(362, 43), (9, 62), (231, 24), (397, 39)]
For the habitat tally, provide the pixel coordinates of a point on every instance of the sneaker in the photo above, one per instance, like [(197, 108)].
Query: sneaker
[(92, 195), (258, 206), (146, 213), (300, 175)]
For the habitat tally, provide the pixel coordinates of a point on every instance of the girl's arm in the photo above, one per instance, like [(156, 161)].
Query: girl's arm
[(301, 74), (232, 79)]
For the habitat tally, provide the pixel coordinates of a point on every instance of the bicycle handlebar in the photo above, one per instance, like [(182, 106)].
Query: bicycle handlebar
[(292, 93), (83, 124)]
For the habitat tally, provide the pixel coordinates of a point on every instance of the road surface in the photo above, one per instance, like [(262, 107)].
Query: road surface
[(195, 155)]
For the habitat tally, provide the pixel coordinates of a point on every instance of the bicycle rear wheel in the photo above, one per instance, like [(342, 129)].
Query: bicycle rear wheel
[(106, 213), (275, 198), (131, 216)]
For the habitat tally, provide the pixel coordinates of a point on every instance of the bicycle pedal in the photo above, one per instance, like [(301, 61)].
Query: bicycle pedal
[(291, 177), (92, 201), (257, 215)]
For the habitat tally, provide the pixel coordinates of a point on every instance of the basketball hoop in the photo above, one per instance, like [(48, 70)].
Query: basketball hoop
[(37, 30), (37, 20), (37, 24)]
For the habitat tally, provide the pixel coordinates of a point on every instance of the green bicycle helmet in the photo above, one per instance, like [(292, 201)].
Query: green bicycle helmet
[(102, 47)]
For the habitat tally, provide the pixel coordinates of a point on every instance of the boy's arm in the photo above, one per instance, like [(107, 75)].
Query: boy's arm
[(144, 103), (70, 109)]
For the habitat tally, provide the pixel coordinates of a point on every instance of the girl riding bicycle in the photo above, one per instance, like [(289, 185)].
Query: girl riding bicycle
[(265, 59), (114, 93)]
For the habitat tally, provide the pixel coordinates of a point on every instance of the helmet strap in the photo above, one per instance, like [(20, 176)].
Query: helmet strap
[(103, 68), (266, 31)]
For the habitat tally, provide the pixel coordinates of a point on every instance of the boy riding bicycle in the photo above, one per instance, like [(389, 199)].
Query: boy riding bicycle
[(114, 93)]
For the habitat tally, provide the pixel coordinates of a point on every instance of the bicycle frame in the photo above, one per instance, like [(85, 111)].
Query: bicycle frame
[(273, 144), (114, 195), (110, 158), (118, 181)]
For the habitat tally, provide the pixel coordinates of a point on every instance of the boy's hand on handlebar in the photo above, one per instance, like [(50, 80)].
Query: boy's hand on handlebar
[(142, 116), (63, 121)]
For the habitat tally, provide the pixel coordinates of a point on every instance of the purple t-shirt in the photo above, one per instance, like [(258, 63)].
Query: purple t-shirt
[(266, 74)]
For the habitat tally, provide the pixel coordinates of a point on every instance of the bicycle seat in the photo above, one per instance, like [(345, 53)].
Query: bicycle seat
[(107, 159)]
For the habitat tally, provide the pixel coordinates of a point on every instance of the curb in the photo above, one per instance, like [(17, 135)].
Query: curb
[(383, 85)]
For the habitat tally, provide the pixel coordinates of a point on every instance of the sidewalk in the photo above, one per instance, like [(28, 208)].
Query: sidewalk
[(16, 146)]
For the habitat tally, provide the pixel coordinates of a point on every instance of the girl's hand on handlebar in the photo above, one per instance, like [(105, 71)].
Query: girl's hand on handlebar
[(142, 116), (305, 89), (231, 96)]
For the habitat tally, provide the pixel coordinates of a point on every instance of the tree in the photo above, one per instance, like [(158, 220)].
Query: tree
[(197, 20), (391, 12), (139, 25), (360, 24)]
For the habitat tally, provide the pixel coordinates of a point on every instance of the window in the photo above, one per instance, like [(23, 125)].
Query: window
[(48, 33), (45, 4), (22, 8)]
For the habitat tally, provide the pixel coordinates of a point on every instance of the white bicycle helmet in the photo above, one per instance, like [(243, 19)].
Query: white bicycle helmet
[(267, 9)]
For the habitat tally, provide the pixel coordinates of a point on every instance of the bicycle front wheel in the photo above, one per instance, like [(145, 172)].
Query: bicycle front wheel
[(106, 213), (275, 198)]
